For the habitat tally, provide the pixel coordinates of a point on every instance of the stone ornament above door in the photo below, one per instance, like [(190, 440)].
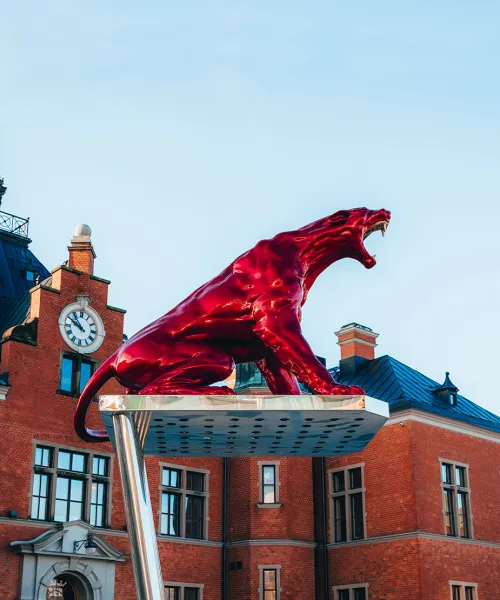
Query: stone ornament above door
[(50, 556)]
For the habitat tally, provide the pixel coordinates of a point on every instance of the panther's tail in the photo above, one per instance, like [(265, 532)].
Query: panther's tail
[(94, 384)]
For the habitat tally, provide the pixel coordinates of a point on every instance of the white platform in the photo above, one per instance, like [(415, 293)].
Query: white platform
[(305, 425)]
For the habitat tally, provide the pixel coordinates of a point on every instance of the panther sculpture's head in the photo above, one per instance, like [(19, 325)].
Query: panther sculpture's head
[(342, 235)]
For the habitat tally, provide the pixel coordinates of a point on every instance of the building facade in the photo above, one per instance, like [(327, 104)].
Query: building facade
[(413, 516)]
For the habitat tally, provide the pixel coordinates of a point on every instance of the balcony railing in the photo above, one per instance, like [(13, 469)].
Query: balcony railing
[(13, 224)]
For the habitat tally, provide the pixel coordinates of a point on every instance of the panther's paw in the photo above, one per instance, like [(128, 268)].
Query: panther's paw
[(345, 390)]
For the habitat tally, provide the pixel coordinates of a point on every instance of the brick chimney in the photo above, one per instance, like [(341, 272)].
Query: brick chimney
[(357, 345), (81, 251)]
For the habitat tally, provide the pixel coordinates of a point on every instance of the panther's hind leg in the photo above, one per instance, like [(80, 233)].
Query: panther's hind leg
[(200, 366), (170, 388)]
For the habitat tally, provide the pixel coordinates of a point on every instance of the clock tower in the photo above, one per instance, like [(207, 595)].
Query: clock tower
[(70, 326)]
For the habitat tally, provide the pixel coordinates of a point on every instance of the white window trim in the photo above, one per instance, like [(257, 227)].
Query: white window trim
[(183, 492), (456, 488), (463, 585), (347, 492), (352, 587), (263, 568), (260, 483), (52, 471), (183, 585)]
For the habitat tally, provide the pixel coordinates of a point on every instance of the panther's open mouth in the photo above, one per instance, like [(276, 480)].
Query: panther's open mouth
[(379, 221)]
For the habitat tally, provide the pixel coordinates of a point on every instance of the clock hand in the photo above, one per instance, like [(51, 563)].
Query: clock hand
[(76, 322)]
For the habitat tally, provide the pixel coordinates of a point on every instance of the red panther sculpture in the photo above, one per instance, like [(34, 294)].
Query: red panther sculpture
[(250, 312)]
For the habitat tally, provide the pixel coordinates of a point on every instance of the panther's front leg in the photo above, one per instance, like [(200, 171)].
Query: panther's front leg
[(279, 328), (279, 379)]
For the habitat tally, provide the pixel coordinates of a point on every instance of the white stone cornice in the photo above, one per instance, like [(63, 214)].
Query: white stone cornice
[(272, 542), (356, 329), (4, 390), (357, 341), (420, 416), (51, 542), (414, 535)]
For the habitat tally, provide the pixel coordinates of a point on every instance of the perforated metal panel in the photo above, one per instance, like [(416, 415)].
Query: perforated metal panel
[(250, 425)]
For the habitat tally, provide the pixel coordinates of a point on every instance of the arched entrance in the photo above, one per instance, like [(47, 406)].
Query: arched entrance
[(70, 586)]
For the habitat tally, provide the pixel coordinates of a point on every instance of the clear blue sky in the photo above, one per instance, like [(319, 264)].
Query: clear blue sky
[(183, 132)]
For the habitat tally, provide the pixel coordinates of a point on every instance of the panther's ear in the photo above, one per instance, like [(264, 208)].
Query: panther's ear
[(339, 218)]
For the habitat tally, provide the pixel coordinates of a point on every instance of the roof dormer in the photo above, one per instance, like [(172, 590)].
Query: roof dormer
[(447, 391)]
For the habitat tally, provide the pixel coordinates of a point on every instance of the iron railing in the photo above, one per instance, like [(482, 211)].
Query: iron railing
[(13, 224)]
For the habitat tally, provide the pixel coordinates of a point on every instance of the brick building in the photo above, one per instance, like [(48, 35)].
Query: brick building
[(414, 516)]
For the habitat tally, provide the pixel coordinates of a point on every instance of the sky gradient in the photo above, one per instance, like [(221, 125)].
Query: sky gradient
[(183, 133)]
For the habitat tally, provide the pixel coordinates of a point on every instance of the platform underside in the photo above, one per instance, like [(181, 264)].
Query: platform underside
[(305, 425)]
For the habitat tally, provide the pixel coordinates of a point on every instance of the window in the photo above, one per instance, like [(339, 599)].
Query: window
[(347, 504), (183, 502), (351, 592), (172, 593), (183, 591), (69, 485), (40, 492), (74, 373), (463, 591), (269, 576), (456, 499), (269, 586), (268, 483)]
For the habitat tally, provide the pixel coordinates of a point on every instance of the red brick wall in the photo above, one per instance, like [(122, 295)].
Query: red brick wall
[(442, 562), (293, 520), (391, 569), (296, 573), (388, 479), (432, 443)]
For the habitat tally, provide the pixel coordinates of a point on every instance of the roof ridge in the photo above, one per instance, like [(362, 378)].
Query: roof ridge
[(390, 360)]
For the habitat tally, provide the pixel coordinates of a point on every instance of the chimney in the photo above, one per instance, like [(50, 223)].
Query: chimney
[(81, 251), (357, 345)]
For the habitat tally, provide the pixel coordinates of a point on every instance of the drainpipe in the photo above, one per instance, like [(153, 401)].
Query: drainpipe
[(224, 528), (320, 529), (325, 533)]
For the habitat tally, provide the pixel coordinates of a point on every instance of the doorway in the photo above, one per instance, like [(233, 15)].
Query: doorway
[(70, 586)]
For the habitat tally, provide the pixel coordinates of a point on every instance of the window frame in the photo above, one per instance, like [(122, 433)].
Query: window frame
[(181, 587), (455, 489), (77, 359), (183, 492), (86, 476), (346, 493), (351, 588), (28, 271), (263, 568), (462, 585), (277, 484)]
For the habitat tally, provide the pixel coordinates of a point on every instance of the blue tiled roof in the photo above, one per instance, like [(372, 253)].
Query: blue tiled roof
[(15, 259), (402, 387), (16, 312)]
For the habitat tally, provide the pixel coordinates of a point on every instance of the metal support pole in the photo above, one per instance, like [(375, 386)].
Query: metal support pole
[(140, 523)]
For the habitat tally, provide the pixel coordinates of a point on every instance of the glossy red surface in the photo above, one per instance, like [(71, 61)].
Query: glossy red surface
[(249, 312)]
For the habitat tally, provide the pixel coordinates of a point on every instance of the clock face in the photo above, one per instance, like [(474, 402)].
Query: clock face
[(81, 328)]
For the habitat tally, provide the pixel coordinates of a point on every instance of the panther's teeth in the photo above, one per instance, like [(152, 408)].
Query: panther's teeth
[(383, 232), (374, 256)]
